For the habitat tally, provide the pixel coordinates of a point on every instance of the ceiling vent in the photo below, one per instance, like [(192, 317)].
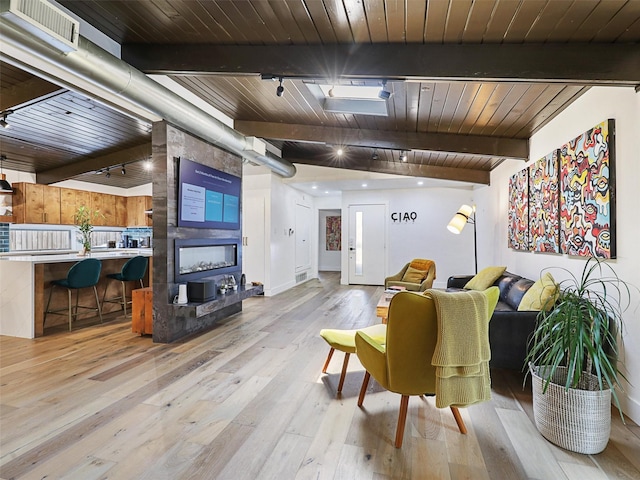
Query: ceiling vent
[(44, 21)]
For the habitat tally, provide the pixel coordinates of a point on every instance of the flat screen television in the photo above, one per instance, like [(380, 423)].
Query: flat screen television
[(207, 198)]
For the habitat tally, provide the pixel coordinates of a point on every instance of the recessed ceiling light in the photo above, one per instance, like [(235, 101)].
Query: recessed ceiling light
[(314, 187), (326, 191), (420, 182), (340, 151), (148, 164), (364, 184)]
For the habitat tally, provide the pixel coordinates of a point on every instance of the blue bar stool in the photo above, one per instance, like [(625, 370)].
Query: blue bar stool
[(132, 271), (83, 274)]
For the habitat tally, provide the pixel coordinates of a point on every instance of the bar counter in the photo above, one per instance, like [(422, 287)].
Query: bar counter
[(25, 283)]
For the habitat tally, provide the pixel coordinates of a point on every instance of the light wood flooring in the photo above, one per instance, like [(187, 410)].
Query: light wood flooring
[(246, 400)]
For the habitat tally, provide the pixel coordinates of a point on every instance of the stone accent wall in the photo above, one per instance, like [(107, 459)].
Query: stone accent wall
[(168, 145)]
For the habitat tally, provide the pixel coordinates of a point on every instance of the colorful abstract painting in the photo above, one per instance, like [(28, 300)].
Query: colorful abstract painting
[(587, 203), (518, 230), (334, 233), (544, 224)]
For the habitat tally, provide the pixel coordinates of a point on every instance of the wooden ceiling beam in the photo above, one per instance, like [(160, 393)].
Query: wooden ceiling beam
[(396, 140), (469, 175), (617, 63), (70, 170)]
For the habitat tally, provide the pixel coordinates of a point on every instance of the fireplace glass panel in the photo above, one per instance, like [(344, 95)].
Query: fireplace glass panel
[(208, 258)]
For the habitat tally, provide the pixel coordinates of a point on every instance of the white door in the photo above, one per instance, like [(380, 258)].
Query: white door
[(303, 245), (367, 244), (253, 240)]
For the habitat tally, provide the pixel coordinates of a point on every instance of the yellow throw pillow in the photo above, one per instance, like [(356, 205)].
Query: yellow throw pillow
[(485, 278), (413, 275), (542, 294)]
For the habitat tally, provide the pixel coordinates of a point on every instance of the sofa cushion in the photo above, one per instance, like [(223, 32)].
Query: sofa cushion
[(542, 294), (485, 278), (413, 275), (517, 291), (505, 282)]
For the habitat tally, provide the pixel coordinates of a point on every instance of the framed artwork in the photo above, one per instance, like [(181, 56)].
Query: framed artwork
[(587, 193), (334, 233), (544, 224), (518, 231)]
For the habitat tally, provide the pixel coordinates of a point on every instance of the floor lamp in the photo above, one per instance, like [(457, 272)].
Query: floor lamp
[(464, 215)]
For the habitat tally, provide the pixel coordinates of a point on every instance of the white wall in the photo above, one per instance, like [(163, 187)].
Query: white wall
[(328, 260), (427, 237), (598, 104)]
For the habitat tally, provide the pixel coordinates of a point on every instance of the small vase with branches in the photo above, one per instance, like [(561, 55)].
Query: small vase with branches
[(83, 219)]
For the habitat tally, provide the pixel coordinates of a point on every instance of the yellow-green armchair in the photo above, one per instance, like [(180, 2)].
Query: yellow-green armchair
[(416, 276), (402, 364)]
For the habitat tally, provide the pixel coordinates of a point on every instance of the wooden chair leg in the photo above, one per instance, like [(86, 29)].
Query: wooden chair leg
[(326, 363), (461, 426), (124, 298), (363, 389), (402, 419), (95, 291), (345, 364)]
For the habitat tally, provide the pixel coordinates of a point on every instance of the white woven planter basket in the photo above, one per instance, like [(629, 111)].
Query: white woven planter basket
[(578, 419)]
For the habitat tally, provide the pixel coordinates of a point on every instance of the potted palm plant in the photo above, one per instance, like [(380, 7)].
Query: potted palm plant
[(83, 220), (573, 357)]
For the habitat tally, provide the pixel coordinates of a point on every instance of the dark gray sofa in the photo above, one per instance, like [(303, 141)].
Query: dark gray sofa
[(509, 329)]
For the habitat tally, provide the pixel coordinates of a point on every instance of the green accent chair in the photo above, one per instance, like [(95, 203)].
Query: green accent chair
[(132, 271), (344, 340), (400, 280), (83, 274)]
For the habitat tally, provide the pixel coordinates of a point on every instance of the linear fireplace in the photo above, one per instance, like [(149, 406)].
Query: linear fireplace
[(197, 258)]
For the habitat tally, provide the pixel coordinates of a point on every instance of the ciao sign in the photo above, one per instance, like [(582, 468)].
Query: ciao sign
[(404, 217)]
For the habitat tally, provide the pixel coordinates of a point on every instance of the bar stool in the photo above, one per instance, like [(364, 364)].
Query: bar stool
[(83, 274), (132, 271)]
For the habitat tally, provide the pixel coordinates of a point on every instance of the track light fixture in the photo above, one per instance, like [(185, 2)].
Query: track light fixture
[(108, 175), (374, 155), (280, 89), (403, 156), (3, 120), (123, 171), (384, 94)]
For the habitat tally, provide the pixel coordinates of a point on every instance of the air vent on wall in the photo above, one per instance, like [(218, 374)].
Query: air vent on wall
[(301, 277), (44, 21)]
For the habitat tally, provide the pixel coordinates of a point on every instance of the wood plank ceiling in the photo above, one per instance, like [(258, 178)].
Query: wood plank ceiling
[(448, 112)]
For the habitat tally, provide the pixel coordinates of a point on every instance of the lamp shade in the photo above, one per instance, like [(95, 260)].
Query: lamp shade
[(460, 219)]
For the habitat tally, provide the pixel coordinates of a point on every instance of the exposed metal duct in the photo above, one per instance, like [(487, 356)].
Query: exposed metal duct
[(95, 71)]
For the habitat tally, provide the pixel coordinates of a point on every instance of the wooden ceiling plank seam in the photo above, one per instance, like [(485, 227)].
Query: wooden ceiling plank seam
[(376, 18), (257, 24), (294, 30), (621, 21), (500, 21), (478, 21), (164, 14), (218, 33), (632, 34), (242, 92), (394, 19), (415, 21), (215, 11), (599, 16), (462, 109), (357, 20), (413, 106), (482, 97), (570, 22), (456, 20), (425, 103), (498, 119), (496, 99), (251, 30), (456, 89), (139, 18), (321, 21), (525, 16), (545, 23), (562, 100), (437, 106), (436, 21), (339, 20), (301, 15), (535, 108)]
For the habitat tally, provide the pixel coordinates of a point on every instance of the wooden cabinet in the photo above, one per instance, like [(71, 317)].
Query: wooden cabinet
[(70, 201), (121, 211), (35, 203), (136, 208), (106, 205)]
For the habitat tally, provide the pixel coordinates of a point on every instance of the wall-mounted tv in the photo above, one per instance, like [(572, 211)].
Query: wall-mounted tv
[(207, 198)]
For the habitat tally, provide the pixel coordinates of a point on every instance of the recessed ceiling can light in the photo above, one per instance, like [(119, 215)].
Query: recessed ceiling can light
[(148, 165), (314, 187), (364, 184), (340, 151), (420, 182)]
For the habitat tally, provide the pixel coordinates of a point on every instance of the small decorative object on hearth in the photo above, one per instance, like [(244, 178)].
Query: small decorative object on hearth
[(573, 359)]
